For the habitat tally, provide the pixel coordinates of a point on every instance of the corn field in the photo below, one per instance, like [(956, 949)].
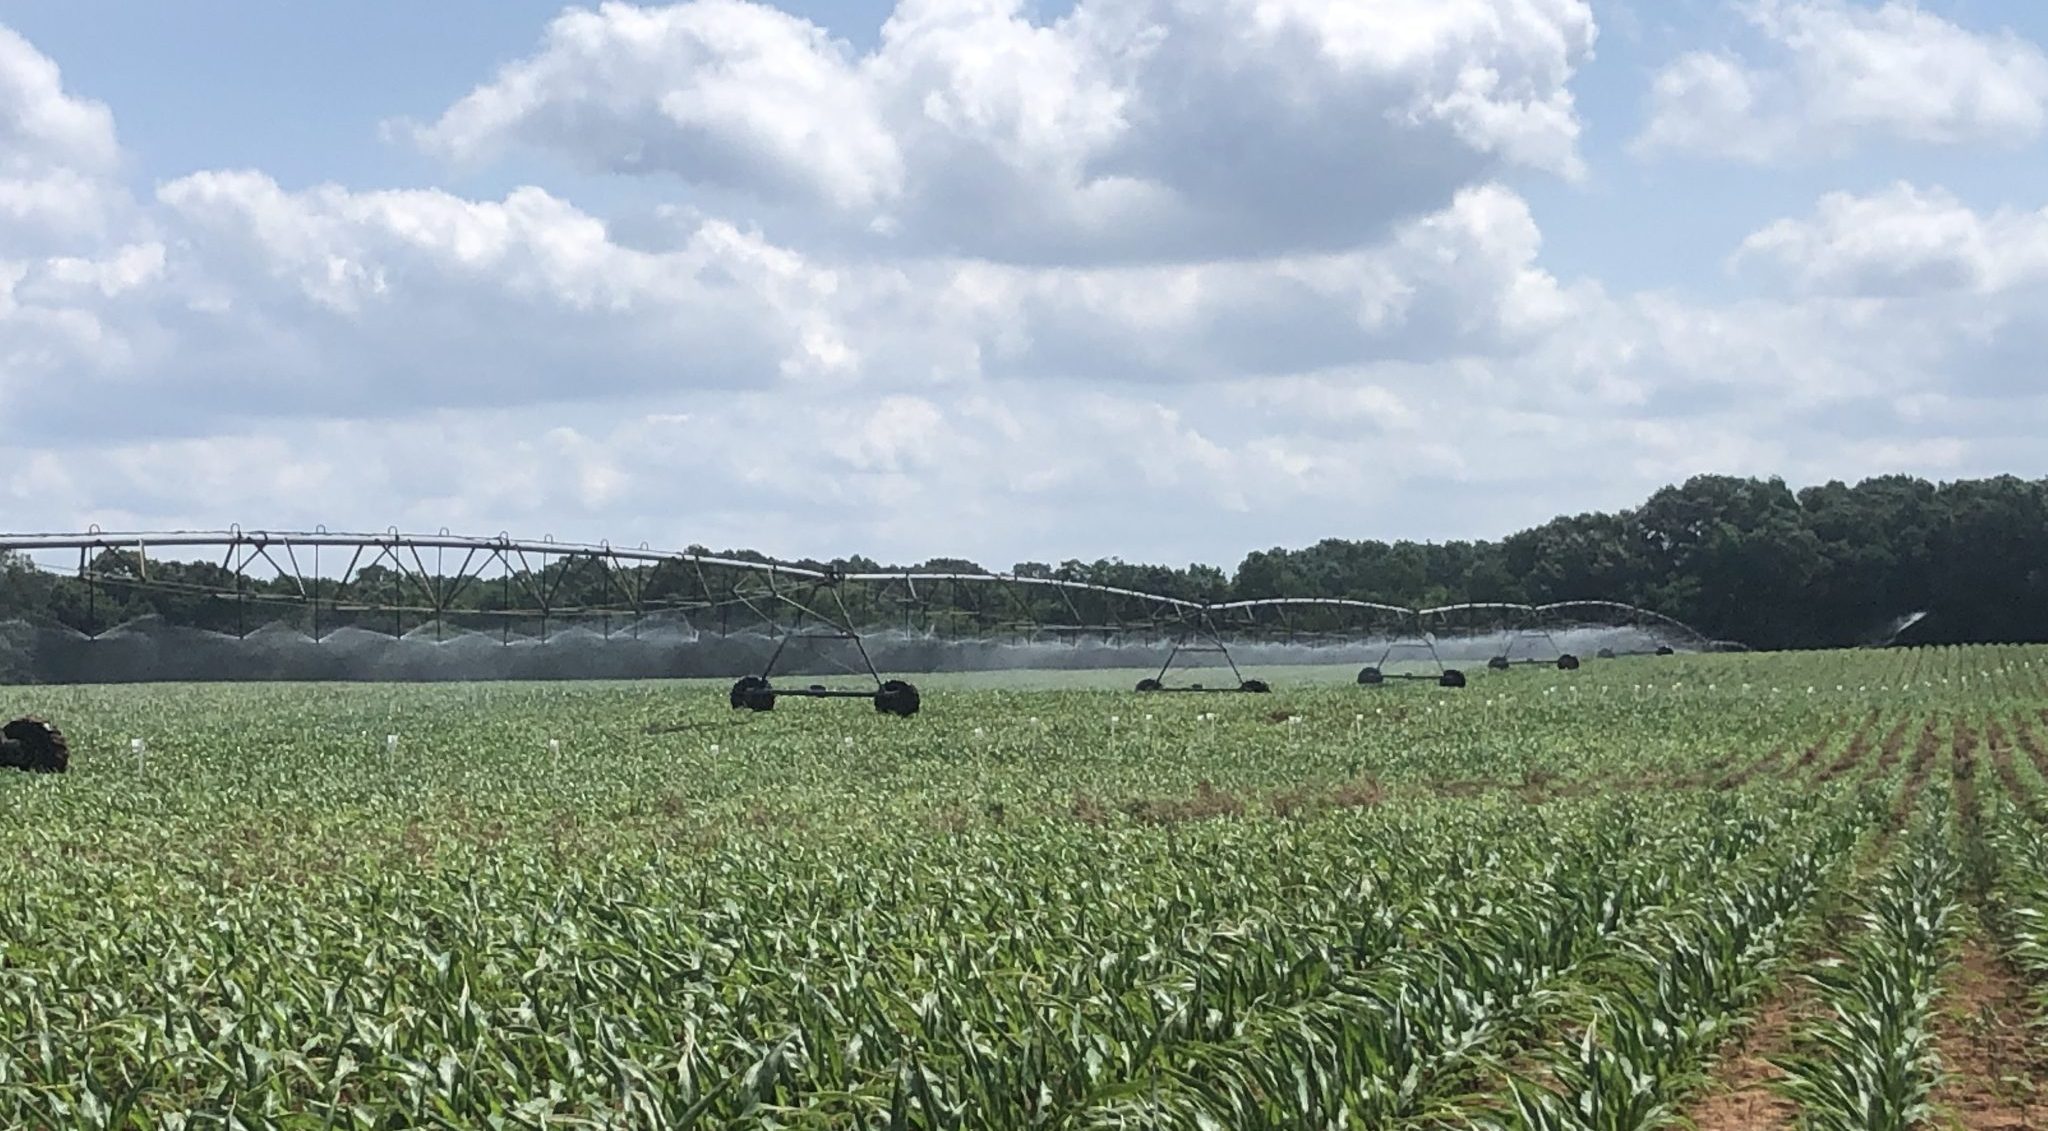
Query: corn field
[(1796, 890)]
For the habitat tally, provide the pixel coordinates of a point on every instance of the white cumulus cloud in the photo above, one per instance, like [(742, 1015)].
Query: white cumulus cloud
[(1904, 241), (1157, 278), (1146, 129), (1832, 75)]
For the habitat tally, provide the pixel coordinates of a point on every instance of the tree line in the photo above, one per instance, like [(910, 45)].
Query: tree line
[(1743, 559)]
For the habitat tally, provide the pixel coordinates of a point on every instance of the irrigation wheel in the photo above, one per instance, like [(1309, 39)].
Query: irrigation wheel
[(753, 693), (34, 745), (897, 698)]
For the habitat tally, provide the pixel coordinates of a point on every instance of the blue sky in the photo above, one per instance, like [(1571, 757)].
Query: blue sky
[(1131, 277)]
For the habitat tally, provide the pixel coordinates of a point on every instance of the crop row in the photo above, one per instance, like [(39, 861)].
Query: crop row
[(1019, 911), (1675, 997), (1036, 976), (2015, 858), (1870, 1064)]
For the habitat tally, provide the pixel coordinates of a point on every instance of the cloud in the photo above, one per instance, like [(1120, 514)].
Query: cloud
[(40, 124), (333, 302), (734, 93), (55, 152), (73, 255), (1363, 333), (1162, 129), (1903, 242), (1952, 298), (1832, 76), (1013, 471), (1461, 281)]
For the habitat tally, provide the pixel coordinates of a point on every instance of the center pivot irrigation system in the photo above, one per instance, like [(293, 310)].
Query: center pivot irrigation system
[(771, 618)]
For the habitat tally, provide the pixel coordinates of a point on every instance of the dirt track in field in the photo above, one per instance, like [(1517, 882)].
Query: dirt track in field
[(1999, 748), (1992, 1069), (1770, 765), (1855, 752), (1894, 744), (1993, 1073), (1743, 1096), (1811, 755), (1917, 772), (2023, 732)]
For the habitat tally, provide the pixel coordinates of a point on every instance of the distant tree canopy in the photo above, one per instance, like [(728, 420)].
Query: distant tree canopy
[(1741, 559)]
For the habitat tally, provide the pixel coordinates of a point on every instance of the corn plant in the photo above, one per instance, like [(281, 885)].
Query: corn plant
[(1674, 996), (616, 905), (1872, 1064)]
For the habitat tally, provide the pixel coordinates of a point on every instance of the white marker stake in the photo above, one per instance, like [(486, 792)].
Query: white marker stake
[(391, 744), (554, 747), (141, 753)]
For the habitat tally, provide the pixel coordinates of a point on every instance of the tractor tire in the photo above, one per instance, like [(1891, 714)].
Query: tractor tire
[(1150, 685), (1452, 677), (1371, 677), (1256, 687), (1604, 654), (897, 698), (1567, 663), (34, 745), (1498, 663), (752, 693)]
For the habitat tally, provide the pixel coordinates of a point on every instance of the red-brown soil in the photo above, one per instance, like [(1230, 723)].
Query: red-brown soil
[(1993, 1072)]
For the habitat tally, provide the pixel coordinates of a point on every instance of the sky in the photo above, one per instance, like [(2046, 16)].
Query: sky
[(1166, 280)]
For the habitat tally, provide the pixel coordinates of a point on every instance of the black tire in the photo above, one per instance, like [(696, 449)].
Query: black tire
[(1665, 650), (1150, 685), (1567, 663), (897, 698), (1256, 687), (752, 693), (1371, 677), (1605, 654), (1498, 663), (34, 745), (743, 691), (1452, 677)]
